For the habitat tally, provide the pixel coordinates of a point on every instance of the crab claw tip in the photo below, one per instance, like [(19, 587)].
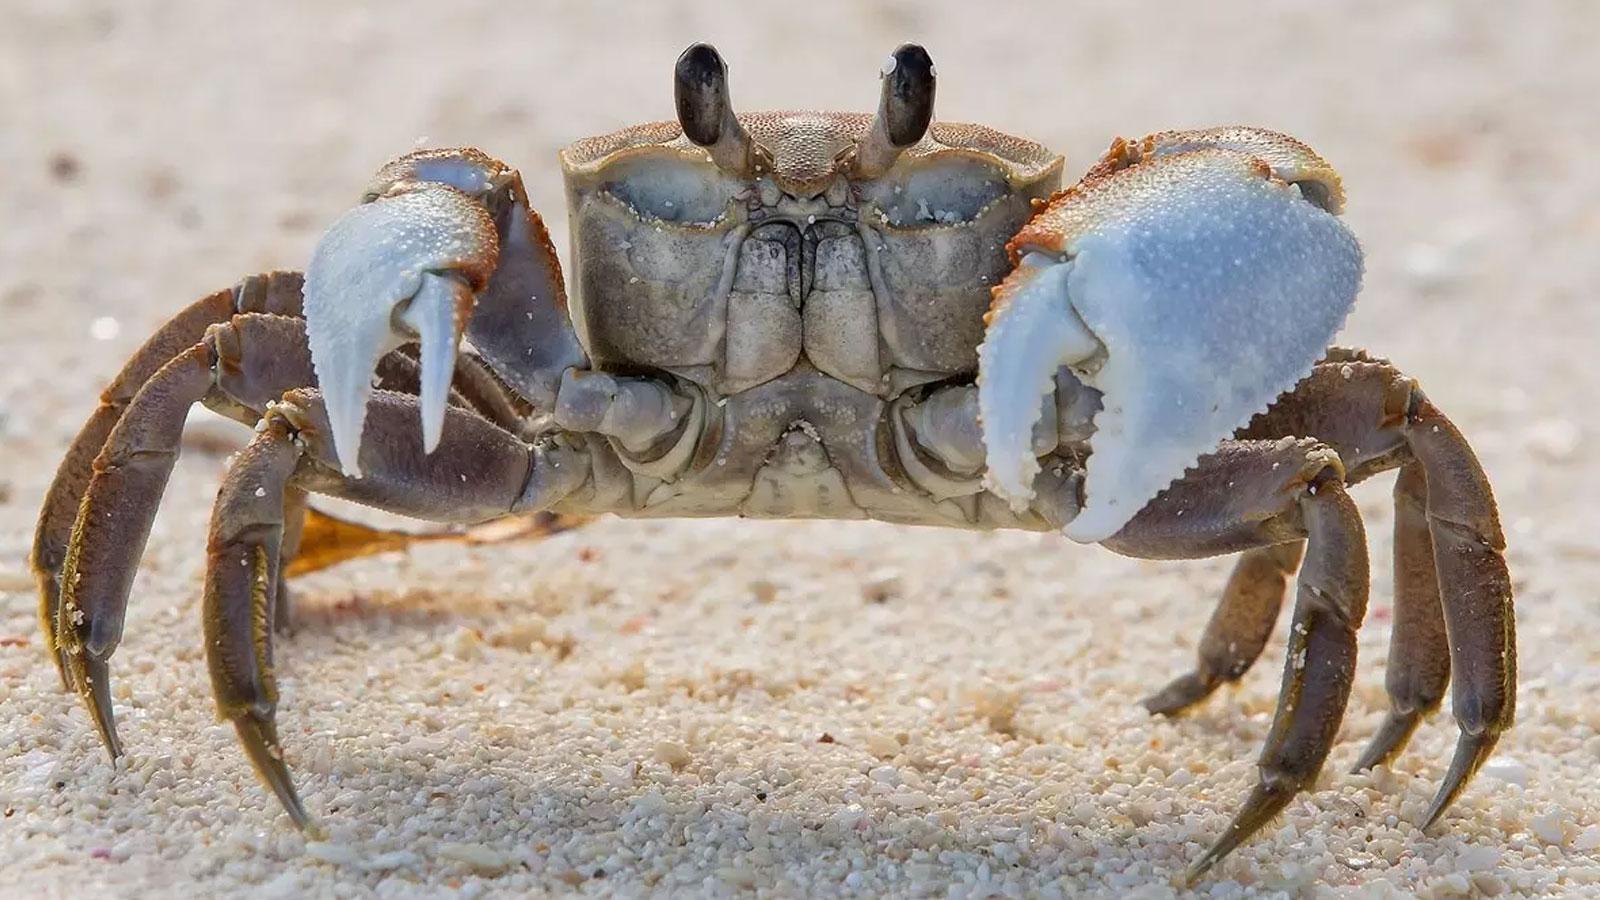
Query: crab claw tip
[(1033, 333), (434, 315)]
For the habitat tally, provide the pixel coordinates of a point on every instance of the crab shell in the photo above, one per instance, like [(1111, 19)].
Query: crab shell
[(654, 218)]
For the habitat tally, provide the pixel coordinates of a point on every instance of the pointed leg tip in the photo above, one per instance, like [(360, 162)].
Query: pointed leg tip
[(1391, 738), (1266, 801), (1202, 867), (1375, 755), (260, 741), (1435, 813), (1217, 852), (1472, 750), (93, 679), (1178, 697)]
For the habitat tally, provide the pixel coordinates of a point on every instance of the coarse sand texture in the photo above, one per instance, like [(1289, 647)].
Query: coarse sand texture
[(726, 707)]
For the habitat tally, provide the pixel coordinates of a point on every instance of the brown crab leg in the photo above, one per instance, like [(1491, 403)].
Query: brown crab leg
[(273, 293), (1239, 628), (296, 508), (1280, 491), (235, 368), (1377, 418), (277, 292), (1475, 587), (480, 472), (1419, 650), (238, 368)]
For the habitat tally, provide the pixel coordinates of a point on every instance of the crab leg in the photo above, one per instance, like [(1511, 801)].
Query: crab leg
[(1377, 418), (483, 473), (1419, 649), (273, 292), (1238, 629), (1475, 587), (239, 365), (238, 368), (1282, 491)]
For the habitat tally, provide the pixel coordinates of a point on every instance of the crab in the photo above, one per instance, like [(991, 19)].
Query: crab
[(829, 315)]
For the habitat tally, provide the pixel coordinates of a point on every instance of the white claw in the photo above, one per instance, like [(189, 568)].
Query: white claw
[(1038, 334), (432, 315), (375, 282), (1209, 287)]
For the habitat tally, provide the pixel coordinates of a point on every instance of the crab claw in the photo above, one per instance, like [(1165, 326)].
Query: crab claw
[(404, 267), (1191, 278)]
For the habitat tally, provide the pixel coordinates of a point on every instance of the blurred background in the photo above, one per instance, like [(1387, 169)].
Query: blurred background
[(151, 153)]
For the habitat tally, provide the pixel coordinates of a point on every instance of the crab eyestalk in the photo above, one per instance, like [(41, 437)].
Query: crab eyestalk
[(905, 110), (700, 87)]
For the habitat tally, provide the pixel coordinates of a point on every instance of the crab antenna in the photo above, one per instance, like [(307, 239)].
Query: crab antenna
[(706, 115), (904, 111)]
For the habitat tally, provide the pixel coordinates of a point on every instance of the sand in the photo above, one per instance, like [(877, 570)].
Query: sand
[(727, 707)]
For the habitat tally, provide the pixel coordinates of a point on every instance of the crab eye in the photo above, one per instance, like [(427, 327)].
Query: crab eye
[(681, 192), (947, 192)]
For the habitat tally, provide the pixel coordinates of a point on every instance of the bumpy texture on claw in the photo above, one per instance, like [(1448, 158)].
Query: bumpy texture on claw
[(1212, 272), (404, 266)]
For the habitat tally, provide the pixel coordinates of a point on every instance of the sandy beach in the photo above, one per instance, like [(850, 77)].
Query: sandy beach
[(726, 707)]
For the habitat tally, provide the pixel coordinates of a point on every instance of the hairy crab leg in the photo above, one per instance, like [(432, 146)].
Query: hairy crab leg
[(483, 473), (1419, 649), (1378, 418), (272, 292), (1239, 628), (237, 366), (1284, 491)]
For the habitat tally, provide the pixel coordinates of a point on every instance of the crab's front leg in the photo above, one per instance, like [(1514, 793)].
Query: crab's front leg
[(444, 245), (481, 472), (447, 246)]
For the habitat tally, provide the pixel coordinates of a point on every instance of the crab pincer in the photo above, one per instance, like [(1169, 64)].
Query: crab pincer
[(1193, 278), (1145, 279), (404, 267), (444, 243)]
